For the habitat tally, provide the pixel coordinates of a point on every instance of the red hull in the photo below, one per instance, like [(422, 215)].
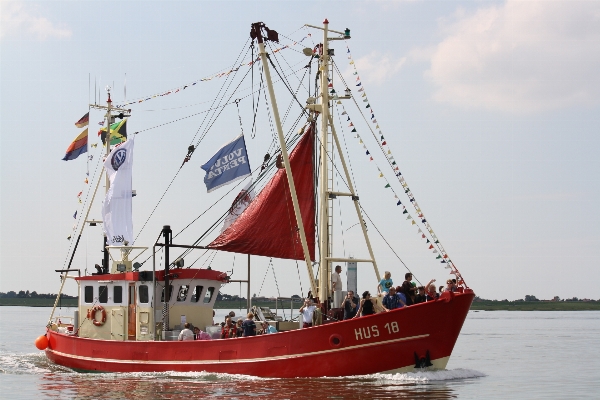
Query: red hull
[(314, 352)]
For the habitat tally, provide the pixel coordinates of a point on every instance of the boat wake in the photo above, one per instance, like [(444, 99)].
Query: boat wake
[(428, 376)]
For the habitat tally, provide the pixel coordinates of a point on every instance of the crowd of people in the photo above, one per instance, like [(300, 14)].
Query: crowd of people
[(407, 294), (229, 329)]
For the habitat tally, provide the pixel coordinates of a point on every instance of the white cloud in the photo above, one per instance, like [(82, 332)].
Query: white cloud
[(376, 68), (18, 20), (522, 56)]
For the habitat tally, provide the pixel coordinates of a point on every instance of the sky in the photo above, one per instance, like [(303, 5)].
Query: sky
[(489, 107)]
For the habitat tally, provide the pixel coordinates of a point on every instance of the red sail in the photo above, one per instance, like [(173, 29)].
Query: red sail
[(268, 226)]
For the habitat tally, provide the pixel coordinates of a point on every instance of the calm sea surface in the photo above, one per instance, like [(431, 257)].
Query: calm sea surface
[(499, 355)]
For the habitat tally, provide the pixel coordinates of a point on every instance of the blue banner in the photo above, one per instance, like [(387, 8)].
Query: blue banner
[(228, 165)]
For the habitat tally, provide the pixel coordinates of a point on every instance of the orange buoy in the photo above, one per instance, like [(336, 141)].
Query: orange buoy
[(42, 342)]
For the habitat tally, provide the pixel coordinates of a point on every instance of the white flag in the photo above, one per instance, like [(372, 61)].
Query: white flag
[(116, 210), (241, 202)]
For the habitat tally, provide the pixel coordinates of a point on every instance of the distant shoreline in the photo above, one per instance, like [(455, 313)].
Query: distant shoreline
[(486, 305)]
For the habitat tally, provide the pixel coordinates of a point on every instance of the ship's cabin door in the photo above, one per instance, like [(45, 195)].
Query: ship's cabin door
[(131, 317)]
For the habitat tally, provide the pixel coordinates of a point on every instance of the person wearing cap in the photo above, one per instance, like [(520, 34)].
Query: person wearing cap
[(350, 305)]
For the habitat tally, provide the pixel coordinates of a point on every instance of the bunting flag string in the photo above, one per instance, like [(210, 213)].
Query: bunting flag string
[(221, 74), (434, 244)]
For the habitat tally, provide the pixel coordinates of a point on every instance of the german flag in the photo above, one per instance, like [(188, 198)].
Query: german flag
[(118, 133), (83, 121), (78, 147)]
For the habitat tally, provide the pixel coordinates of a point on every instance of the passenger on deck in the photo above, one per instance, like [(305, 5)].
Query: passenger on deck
[(267, 328), (393, 300), (441, 289), (450, 286), (249, 326), (385, 284), (350, 305), (239, 330), (420, 296), (229, 330), (407, 288), (367, 307), (430, 294), (201, 335), (307, 310), (230, 315), (186, 333), (336, 285)]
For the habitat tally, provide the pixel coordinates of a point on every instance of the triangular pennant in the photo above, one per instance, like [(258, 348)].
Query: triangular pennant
[(422, 235), (427, 240), (351, 124), (431, 246), (361, 89), (387, 186), (381, 174), (413, 222), (368, 106), (359, 84), (383, 143), (404, 212), (344, 113), (377, 127), (398, 203), (409, 217), (368, 152), (353, 130)]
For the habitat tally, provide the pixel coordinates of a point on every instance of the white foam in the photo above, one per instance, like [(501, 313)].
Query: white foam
[(429, 376)]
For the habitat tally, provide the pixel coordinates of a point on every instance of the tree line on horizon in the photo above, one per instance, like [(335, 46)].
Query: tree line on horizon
[(25, 294)]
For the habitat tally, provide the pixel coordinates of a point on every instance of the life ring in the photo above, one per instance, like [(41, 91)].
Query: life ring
[(92, 315)]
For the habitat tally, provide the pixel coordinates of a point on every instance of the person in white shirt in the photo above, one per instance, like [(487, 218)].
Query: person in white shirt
[(336, 286), (307, 310), (186, 333)]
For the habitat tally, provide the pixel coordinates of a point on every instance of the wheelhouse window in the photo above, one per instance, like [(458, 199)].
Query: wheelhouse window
[(143, 291), (183, 292), (197, 293), (162, 296), (117, 294), (103, 294), (209, 294), (88, 294)]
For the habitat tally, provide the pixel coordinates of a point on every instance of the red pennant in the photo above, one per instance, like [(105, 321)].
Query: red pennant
[(431, 246)]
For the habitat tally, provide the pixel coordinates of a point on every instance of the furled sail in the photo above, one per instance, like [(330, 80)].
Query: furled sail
[(268, 226)]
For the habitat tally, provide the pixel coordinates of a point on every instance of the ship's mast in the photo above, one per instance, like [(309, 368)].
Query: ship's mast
[(256, 32), (326, 193)]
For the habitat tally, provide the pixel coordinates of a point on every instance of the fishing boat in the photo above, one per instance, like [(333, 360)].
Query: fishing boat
[(129, 316)]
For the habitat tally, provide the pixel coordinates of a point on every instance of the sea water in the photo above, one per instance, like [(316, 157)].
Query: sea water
[(499, 355)]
